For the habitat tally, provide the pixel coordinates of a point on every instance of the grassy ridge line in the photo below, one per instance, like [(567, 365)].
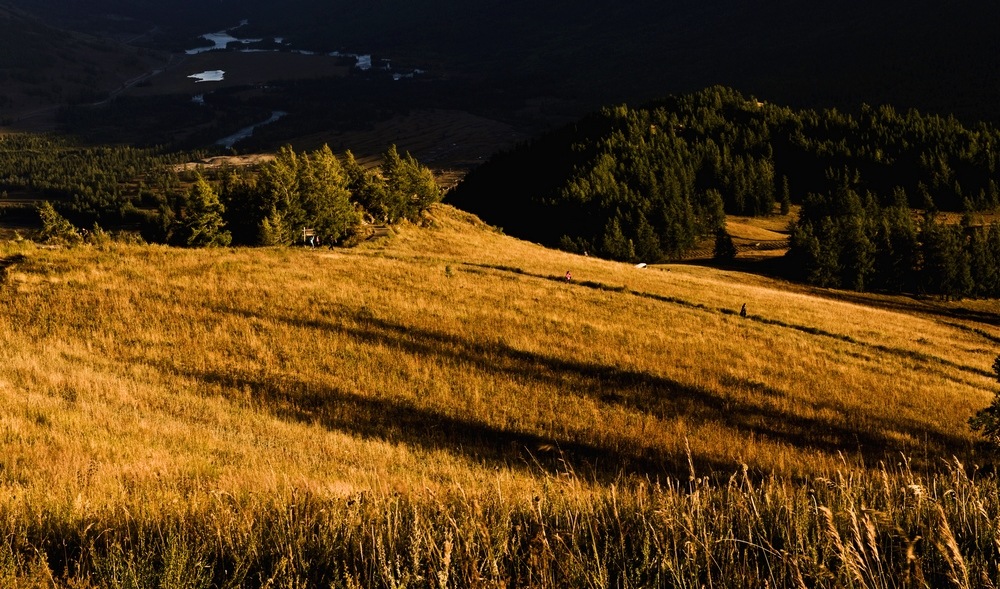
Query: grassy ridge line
[(871, 326)]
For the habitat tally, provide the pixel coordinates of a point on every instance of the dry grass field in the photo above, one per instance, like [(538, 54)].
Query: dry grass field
[(755, 238), (442, 408)]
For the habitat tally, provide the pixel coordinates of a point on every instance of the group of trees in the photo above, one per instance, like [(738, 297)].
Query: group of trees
[(624, 183), (105, 184), (621, 184), (848, 239), (645, 183), (272, 204), (146, 190)]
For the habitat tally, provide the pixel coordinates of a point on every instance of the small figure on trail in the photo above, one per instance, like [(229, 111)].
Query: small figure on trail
[(743, 310), (569, 276)]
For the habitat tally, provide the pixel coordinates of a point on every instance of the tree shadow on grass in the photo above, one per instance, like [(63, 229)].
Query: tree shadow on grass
[(400, 421), (931, 363), (763, 413)]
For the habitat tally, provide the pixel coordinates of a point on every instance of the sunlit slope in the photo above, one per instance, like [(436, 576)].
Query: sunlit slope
[(451, 355)]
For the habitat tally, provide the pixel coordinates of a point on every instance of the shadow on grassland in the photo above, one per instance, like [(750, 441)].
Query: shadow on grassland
[(926, 359), (763, 414), (400, 421), (8, 262)]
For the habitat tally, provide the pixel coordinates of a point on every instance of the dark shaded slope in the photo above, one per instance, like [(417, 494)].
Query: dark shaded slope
[(42, 67), (645, 183), (937, 56)]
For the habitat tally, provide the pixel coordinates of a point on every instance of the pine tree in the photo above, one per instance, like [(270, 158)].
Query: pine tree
[(246, 205), (895, 250), (615, 245), (279, 191), (987, 420), (55, 227), (409, 187), (393, 176), (785, 196), (815, 252), (200, 222), (857, 253), (420, 186), (725, 250), (324, 197), (710, 211), (271, 230), (647, 242), (982, 265), (945, 268)]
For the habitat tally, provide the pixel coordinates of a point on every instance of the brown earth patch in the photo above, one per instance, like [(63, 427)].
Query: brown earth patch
[(232, 161), (755, 238)]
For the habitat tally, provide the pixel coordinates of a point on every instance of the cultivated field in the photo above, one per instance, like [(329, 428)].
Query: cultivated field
[(442, 408)]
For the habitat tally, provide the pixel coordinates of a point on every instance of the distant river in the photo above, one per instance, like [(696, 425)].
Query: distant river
[(221, 40), (229, 142)]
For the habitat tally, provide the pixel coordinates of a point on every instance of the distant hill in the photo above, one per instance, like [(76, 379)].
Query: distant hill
[(43, 67), (929, 55), (642, 184), (126, 19)]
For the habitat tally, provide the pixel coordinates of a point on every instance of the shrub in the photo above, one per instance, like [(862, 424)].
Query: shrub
[(987, 420), (55, 227)]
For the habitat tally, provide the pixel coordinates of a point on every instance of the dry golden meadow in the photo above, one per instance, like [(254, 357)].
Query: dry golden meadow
[(441, 408)]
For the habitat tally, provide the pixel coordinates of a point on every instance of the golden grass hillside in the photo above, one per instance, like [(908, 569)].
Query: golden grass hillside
[(143, 385)]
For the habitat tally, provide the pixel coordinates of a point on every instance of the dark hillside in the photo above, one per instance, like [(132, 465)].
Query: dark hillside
[(645, 183), (938, 57), (133, 20), (42, 67)]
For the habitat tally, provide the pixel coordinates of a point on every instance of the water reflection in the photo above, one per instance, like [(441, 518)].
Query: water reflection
[(221, 40), (209, 76), (246, 132)]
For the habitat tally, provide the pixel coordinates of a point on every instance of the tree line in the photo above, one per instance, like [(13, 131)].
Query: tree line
[(848, 239), (272, 204), (105, 184), (268, 204)]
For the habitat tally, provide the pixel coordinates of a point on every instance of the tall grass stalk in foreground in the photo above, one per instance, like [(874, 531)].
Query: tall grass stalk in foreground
[(885, 528)]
